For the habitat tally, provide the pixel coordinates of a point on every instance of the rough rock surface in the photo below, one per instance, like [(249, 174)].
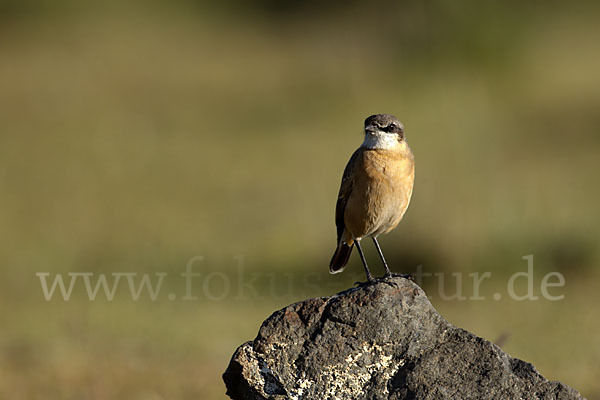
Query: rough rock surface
[(382, 341)]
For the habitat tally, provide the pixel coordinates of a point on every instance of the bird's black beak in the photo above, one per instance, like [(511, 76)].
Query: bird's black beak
[(370, 128)]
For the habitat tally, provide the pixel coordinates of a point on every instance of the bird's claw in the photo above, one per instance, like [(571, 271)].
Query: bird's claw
[(395, 275), (384, 279), (366, 283)]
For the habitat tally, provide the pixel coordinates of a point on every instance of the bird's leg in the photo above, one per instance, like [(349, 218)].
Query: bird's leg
[(364, 261), (388, 273), (387, 269)]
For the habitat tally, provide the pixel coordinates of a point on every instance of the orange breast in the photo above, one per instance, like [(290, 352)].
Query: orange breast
[(381, 191)]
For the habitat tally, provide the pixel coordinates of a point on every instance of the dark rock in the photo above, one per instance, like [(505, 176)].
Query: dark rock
[(382, 341)]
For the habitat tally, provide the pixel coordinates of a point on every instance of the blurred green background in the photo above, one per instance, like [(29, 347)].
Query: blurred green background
[(137, 135)]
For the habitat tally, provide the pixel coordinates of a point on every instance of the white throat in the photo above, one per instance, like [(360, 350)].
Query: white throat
[(381, 140)]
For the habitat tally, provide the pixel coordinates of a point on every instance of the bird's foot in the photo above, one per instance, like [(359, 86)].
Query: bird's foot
[(373, 281), (395, 275), (370, 281)]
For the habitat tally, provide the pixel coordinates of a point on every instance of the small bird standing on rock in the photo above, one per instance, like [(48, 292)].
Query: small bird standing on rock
[(375, 190)]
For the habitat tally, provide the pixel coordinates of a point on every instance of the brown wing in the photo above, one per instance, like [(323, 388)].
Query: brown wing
[(344, 194)]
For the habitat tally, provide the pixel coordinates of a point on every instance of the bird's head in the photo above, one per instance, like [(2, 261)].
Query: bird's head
[(383, 131)]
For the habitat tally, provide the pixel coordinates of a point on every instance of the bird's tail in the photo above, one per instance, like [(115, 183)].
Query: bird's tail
[(340, 257)]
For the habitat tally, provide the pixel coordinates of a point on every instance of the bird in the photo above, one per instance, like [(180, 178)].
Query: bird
[(375, 192)]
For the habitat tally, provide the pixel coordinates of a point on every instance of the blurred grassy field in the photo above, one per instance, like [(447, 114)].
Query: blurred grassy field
[(134, 138)]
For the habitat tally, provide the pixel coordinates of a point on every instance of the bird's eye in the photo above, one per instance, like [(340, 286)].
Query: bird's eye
[(391, 127)]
